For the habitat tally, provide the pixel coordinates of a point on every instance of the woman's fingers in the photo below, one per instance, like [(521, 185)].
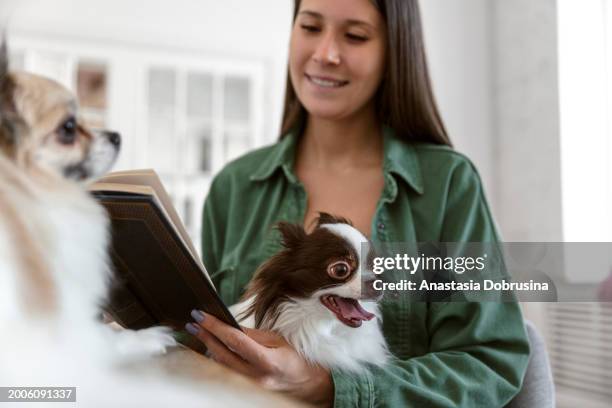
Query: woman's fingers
[(235, 340), (265, 337), (219, 352)]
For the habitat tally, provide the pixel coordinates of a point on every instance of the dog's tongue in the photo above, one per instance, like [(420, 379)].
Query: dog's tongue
[(352, 310)]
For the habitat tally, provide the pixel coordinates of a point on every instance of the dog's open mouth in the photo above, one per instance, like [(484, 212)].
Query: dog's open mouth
[(347, 310)]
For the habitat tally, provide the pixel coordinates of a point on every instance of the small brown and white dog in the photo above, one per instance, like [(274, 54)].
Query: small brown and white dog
[(54, 269), (317, 293)]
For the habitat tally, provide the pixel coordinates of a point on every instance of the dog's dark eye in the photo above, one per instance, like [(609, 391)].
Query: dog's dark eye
[(339, 270), (67, 132)]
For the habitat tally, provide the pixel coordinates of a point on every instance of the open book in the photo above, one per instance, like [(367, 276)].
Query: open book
[(159, 278)]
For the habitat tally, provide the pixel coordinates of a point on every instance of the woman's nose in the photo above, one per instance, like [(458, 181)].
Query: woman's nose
[(327, 51)]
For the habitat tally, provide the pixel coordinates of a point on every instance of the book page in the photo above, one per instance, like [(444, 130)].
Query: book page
[(141, 190), (133, 189), (148, 177), (137, 181), (123, 188)]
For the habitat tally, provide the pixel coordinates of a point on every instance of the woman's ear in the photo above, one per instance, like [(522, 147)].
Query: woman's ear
[(292, 235)]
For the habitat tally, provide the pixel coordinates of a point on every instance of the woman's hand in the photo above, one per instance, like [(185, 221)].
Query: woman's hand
[(265, 357)]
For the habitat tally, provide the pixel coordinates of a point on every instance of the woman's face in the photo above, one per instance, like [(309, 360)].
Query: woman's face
[(337, 56)]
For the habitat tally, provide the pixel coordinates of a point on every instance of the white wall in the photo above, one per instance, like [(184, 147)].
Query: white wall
[(494, 67), (527, 143), (459, 47), (527, 148)]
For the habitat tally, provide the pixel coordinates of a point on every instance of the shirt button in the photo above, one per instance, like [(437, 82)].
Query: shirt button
[(381, 226)]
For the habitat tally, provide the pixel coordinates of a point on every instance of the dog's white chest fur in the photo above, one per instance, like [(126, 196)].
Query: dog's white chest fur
[(322, 339), (82, 254), (67, 230)]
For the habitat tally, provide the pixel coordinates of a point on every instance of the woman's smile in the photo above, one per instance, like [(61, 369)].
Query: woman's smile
[(326, 82)]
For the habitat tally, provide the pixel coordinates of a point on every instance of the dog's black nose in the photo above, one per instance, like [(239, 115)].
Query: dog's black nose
[(114, 138)]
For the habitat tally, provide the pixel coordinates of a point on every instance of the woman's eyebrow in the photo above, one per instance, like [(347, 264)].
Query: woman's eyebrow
[(359, 22), (349, 22), (311, 13)]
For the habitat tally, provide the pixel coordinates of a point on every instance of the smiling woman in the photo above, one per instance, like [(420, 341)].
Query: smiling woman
[(336, 65), (362, 139), (385, 47)]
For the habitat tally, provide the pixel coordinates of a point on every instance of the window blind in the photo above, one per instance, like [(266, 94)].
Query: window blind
[(580, 347)]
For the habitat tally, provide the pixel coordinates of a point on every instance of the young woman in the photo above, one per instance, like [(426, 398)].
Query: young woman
[(362, 138)]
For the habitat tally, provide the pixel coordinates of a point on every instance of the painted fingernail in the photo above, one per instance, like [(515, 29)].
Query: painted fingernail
[(197, 316), (192, 328)]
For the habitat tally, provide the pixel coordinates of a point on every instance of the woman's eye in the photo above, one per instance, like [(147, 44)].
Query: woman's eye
[(356, 37), (310, 28), (339, 270), (67, 131)]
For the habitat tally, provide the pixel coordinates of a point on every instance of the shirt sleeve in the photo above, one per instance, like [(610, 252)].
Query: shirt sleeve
[(478, 351)]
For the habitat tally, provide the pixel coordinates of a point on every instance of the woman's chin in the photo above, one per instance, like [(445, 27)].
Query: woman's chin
[(339, 109), (328, 112)]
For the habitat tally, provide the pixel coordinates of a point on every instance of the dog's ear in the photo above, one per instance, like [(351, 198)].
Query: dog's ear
[(266, 290), (10, 122), (3, 58), (6, 83), (292, 235), (325, 218)]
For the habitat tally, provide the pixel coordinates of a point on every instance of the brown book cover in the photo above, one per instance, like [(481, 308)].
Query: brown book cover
[(158, 277)]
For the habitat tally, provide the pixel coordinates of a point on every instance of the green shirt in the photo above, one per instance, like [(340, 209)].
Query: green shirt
[(446, 354)]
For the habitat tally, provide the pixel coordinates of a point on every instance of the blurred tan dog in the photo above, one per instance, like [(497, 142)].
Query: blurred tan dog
[(53, 259), (53, 234)]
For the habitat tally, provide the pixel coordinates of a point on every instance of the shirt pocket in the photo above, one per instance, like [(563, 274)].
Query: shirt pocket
[(243, 274), (397, 325)]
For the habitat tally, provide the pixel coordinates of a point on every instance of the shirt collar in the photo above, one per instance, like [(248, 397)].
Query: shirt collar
[(281, 156), (400, 158)]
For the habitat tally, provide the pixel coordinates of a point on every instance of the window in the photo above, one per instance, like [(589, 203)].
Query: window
[(579, 335), (579, 342), (91, 92), (585, 74), (198, 120), (51, 64), (183, 115)]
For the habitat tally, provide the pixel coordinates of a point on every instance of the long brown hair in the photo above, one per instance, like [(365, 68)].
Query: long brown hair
[(404, 100)]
